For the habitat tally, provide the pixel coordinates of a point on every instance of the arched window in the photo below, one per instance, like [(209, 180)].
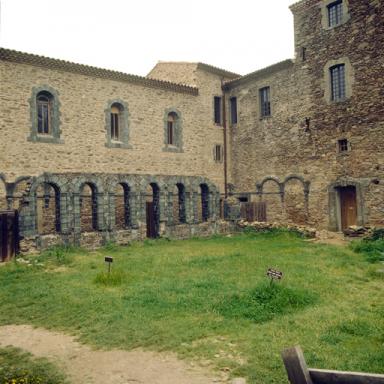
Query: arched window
[(172, 131), (45, 115), (116, 119), (44, 103)]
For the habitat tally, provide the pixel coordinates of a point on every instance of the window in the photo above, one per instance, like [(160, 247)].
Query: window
[(233, 104), (265, 104), (335, 13), (115, 122), (217, 110), (218, 153), (173, 140), (45, 115), (337, 76), (171, 128), (343, 145), (117, 126)]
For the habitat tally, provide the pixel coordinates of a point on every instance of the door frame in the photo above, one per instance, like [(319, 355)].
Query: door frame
[(334, 207)]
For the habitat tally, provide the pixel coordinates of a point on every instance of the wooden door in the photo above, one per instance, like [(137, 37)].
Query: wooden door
[(348, 207), (151, 227)]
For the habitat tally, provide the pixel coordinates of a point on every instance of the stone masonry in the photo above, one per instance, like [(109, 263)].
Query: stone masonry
[(310, 160)]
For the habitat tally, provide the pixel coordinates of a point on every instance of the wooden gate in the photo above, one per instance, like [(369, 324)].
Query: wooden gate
[(255, 211), (9, 234)]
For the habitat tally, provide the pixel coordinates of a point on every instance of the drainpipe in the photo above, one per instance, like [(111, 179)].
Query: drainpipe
[(225, 141)]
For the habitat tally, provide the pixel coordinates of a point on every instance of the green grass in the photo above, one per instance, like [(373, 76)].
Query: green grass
[(210, 299), (18, 367)]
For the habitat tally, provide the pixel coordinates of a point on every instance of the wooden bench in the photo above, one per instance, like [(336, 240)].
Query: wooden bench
[(299, 373)]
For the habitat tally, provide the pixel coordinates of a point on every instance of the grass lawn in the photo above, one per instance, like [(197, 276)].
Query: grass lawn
[(209, 300)]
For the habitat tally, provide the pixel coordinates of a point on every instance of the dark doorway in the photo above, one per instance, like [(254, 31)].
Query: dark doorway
[(153, 210), (9, 234), (348, 206)]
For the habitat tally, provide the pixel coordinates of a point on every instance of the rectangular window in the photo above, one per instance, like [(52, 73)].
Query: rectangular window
[(233, 104), (265, 103), (218, 153), (217, 109), (343, 145), (337, 73), (114, 126), (335, 13)]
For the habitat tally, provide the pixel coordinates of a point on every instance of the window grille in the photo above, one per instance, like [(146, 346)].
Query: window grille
[(343, 145), (335, 13), (44, 105), (338, 82), (265, 103)]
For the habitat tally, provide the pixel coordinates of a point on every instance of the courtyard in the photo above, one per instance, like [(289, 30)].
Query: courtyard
[(207, 302)]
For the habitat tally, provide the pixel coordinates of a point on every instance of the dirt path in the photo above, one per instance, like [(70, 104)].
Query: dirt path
[(85, 365)]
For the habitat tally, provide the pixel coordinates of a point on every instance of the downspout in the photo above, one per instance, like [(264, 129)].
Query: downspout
[(225, 141)]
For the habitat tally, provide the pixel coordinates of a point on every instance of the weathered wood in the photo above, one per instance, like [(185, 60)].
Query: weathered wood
[(296, 366), (322, 376)]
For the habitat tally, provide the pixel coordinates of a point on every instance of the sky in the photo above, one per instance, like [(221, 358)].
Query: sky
[(133, 35)]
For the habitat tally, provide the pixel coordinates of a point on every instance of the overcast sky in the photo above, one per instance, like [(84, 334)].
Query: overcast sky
[(132, 35)]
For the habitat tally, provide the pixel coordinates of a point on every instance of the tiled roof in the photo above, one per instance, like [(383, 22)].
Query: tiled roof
[(46, 62), (259, 74), (217, 71)]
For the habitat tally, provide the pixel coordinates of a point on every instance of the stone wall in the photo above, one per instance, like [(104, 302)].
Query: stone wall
[(301, 137), (83, 99), (89, 209)]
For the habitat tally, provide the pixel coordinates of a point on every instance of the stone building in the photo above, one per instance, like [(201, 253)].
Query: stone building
[(89, 155)]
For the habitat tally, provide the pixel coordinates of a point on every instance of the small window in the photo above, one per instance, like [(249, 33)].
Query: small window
[(218, 153), (171, 128), (265, 104), (335, 13), (343, 145), (337, 76), (217, 110), (115, 122), (233, 104)]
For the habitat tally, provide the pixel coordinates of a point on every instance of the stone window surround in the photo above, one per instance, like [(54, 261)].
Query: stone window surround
[(349, 79), (177, 132), (54, 137), (324, 14), (218, 161), (123, 127)]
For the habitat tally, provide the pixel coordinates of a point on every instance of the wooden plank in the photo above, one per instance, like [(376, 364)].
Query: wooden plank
[(322, 376), (296, 366)]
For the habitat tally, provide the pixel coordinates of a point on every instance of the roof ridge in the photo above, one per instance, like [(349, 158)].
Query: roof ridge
[(217, 70), (43, 61)]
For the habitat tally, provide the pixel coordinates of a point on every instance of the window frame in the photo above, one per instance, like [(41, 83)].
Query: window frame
[(338, 80), (326, 8), (265, 102), (218, 153), (335, 13), (53, 116), (218, 110), (233, 110), (343, 146)]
